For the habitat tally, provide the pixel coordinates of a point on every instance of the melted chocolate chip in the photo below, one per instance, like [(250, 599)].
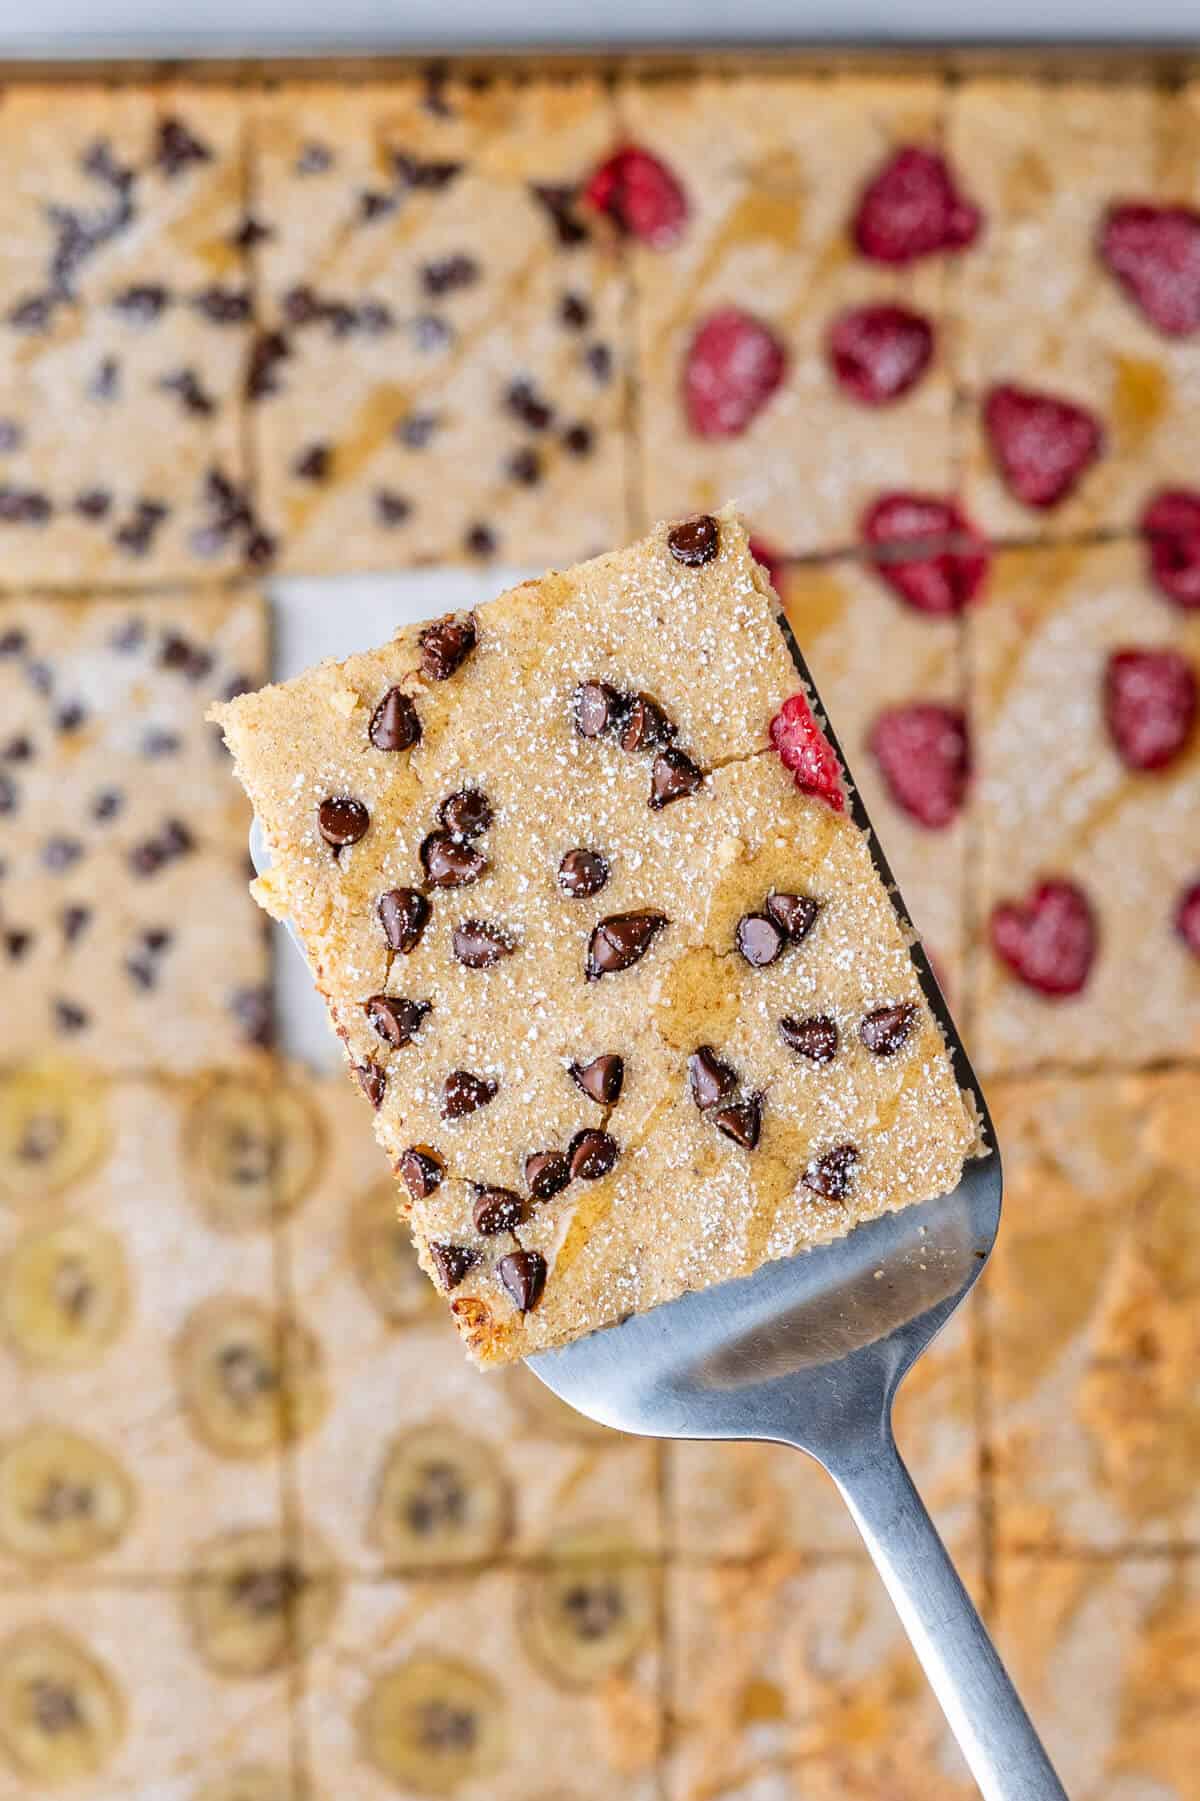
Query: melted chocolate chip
[(137, 534), (391, 508), (452, 1261), (313, 464), (394, 723), (466, 813), (597, 708), (620, 941), (523, 400), (448, 863), (445, 645), (222, 306), (523, 1274), (23, 506), (709, 1078), (176, 148), (673, 776), (250, 232), (412, 172), (795, 914), (578, 440), (373, 1082), (449, 273), (421, 1171), (815, 1038), (478, 945), (695, 541), (396, 1021), (547, 1174), (269, 349), (759, 939), (342, 820), (179, 653), (645, 725), (525, 467), (885, 1030), (601, 1079), (463, 1092), (497, 1210), (403, 914), (559, 203), (186, 384), (591, 1154), (832, 1174), (582, 872), (741, 1121)]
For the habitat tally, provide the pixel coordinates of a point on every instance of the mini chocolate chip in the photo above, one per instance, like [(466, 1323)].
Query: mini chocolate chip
[(250, 232), (314, 159), (71, 1018), (176, 147), (16, 943), (342, 820), (392, 509), (23, 506), (416, 430), (592, 1154), (885, 1030), (430, 333), (597, 708), (646, 726), (815, 1038), (497, 1210), (159, 743), (480, 540), (8, 794), (106, 381), (466, 813), (599, 360), (448, 863), (547, 1174), (523, 1274), (107, 804), (741, 1121), (832, 1174), (759, 939), (601, 1079), (192, 396), (445, 645), (794, 913), (222, 306), (269, 349), (313, 464), (74, 921), (524, 401), (559, 203), (673, 776), (18, 749), (578, 440), (574, 311), (421, 1171), (463, 1092), (695, 541), (413, 172), (403, 914), (452, 1261), (582, 872), (710, 1079), (449, 273), (373, 1082), (178, 652), (141, 303), (13, 642), (375, 204), (93, 503), (396, 1021), (525, 467), (252, 1008), (478, 945), (394, 723), (60, 853), (71, 716), (620, 941), (11, 435)]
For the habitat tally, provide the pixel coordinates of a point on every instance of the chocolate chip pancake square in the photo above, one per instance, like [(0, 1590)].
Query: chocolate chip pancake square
[(123, 932), (1077, 312), (125, 326), (433, 262), (786, 358), (586, 942)]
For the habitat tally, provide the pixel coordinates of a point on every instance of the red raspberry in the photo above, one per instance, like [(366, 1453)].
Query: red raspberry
[(1041, 444), (1187, 918), (1149, 705), (770, 559), (954, 565), (912, 208), (1049, 940), (1154, 252), (641, 195), (1171, 527), (923, 752), (878, 353), (734, 365), (806, 751)]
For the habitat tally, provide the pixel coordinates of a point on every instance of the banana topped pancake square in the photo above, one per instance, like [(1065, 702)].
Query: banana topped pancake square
[(612, 962)]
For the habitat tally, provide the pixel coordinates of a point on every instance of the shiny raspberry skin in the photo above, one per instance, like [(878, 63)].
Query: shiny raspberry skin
[(877, 353), (1187, 918), (924, 756), (1154, 252), (912, 208), (734, 365), (806, 751), (951, 573), (1149, 706), (1049, 940), (640, 193), (1042, 445), (1171, 528)]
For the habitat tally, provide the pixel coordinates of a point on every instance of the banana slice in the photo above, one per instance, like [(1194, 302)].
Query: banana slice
[(588, 1611), (383, 1258), (546, 1415), (64, 1294), (63, 1497), (253, 1152), (255, 1782), (248, 1380), (54, 1129), (62, 1716), (249, 1606), (432, 1725), (440, 1500)]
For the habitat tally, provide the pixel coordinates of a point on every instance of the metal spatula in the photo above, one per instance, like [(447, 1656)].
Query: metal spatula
[(810, 1352)]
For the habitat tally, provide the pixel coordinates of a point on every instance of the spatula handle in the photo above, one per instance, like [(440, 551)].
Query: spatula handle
[(983, 1709)]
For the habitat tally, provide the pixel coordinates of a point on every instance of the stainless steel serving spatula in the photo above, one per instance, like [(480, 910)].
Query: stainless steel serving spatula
[(810, 1352)]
